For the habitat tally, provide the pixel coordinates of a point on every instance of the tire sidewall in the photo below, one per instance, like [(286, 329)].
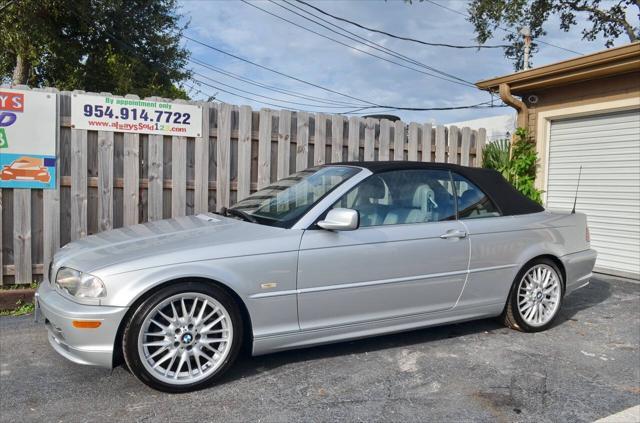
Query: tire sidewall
[(134, 325), (513, 300)]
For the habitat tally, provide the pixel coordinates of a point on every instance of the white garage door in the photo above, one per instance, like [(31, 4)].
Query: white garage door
[(608, 148)]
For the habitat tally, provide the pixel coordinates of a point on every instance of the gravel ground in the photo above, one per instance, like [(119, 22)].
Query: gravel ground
[(584, 368)]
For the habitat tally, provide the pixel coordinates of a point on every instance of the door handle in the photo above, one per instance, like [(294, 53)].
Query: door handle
[(454, 234)]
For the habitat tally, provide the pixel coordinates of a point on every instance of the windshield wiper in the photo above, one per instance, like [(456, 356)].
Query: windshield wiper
[(238, 213)]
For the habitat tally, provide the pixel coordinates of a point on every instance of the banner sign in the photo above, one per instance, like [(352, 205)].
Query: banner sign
[(27, 139), (99, 113)]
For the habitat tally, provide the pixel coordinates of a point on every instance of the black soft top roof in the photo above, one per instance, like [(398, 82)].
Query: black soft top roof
[(509, 200)]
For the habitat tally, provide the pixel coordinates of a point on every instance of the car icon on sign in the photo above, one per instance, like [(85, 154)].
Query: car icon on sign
[(26, 169)]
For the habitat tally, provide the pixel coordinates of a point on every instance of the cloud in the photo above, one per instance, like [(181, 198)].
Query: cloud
[(253, 34)]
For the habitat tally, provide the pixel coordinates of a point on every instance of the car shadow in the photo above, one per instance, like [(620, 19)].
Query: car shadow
[(247, 365), (595, 293), (591, 295)]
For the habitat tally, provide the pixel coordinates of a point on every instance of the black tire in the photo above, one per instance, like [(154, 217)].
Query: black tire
[(134, 325), (512, 317)]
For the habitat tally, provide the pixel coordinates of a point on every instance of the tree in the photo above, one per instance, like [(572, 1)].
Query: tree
[(609, 21), (117, 46)]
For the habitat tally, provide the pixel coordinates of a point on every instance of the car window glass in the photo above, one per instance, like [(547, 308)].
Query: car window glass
[(402, 197), (285, 201), (473, 203)]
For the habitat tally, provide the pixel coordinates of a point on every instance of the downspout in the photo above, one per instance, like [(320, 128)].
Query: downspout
[(521, 108)]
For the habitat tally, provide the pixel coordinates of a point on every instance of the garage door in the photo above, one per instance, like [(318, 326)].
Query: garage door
[(608, 148)]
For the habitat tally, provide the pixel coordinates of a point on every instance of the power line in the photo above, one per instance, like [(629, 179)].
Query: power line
[(362, 40), (464, 83), (483, 105), (399, 37), (369, 104), (277, 72), (502, 28), (280, 106), (274, 99), (269, 87)]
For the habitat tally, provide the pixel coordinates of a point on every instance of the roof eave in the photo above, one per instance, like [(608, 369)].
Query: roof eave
[(597, 65)]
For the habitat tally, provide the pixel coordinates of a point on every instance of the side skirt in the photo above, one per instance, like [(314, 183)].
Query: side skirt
[(300, 339)]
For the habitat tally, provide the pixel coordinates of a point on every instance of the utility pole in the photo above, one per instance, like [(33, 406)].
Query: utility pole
[(526, 33)]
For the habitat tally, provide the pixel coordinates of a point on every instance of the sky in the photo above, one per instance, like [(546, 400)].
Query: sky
[(245, 31)]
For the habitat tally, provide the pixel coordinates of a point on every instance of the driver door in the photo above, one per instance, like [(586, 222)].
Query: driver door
[(408, 257)]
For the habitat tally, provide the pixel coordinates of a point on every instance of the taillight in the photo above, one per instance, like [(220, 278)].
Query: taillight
[(587, 234)]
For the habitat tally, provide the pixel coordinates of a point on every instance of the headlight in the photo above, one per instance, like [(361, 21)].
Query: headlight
[(81, 285)]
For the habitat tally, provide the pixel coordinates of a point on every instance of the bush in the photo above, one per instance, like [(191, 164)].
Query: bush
[(516, 161)]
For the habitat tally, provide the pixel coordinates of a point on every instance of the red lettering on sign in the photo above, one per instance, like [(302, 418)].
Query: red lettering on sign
[(12, 102)]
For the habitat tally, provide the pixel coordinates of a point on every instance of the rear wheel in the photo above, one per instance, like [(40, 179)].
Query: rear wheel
[(183, 337), (535, 298)]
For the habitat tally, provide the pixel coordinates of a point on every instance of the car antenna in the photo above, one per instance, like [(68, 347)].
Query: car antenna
[(575, 199)]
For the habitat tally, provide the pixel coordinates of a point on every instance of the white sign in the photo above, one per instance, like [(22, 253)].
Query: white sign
[(27, 139), (99, 113)]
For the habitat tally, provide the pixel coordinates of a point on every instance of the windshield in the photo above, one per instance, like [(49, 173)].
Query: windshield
[(284, 202)]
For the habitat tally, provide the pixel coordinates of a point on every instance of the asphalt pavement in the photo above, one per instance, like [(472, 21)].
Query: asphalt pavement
[(584, 368)]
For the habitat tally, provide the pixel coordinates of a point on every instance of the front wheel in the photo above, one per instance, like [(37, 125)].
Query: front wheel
[(535, 298), (183, 337)]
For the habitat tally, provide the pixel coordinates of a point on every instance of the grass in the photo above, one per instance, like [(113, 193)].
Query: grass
[(23, 308), (32, 285)]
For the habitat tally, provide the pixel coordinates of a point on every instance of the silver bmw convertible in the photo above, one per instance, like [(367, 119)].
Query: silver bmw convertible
[(331, 253)]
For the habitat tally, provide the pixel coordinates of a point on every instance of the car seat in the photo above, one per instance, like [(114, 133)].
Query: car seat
[(418, 209), (369, 194)]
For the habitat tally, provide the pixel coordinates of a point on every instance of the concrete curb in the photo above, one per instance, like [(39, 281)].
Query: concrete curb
[(10, 298), (630, 415)]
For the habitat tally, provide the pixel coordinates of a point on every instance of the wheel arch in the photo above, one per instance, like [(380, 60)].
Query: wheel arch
[(118, 357), (556, 260)]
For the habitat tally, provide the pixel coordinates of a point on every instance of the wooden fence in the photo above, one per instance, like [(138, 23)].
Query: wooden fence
[(111, 179)]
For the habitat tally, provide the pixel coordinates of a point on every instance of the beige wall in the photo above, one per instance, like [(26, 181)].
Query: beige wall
[(620, 87)]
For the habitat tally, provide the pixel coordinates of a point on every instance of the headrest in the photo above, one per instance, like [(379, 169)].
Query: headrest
[(469, 198), (421, 197), (373, 188)]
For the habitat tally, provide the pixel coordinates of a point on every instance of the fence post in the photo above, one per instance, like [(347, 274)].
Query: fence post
[(452, 145), (284, 144), (412, 148), (201, 166), (244, 152), (465, 146), (481, 140), (369, 139), (320, 139), (385, 136), (264, 149), (50, 202), (398, 140), (426, 142), (302, 141), (353, 141), (337, 138), (223, 157), (441, 140)]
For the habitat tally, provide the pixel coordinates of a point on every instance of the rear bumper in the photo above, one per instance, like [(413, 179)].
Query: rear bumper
[(82, 346), (579, 269)]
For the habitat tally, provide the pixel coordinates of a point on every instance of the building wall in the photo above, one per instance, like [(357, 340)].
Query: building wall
[(497, 127), (613, 88)]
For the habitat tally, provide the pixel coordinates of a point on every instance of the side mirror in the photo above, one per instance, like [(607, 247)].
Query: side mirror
[(341, 220)]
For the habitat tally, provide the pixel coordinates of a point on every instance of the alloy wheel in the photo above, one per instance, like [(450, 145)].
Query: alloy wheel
[(539, 295), (185, 338)]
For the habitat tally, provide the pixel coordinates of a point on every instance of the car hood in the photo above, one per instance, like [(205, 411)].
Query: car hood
[(171, 241)]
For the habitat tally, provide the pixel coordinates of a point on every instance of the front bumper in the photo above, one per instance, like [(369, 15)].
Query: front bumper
[(82, 346), (579, 269)]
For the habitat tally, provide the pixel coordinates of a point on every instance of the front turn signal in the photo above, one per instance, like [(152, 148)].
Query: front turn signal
[(86, 324)]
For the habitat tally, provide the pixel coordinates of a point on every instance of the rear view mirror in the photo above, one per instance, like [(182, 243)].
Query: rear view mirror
[(341, 220)]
